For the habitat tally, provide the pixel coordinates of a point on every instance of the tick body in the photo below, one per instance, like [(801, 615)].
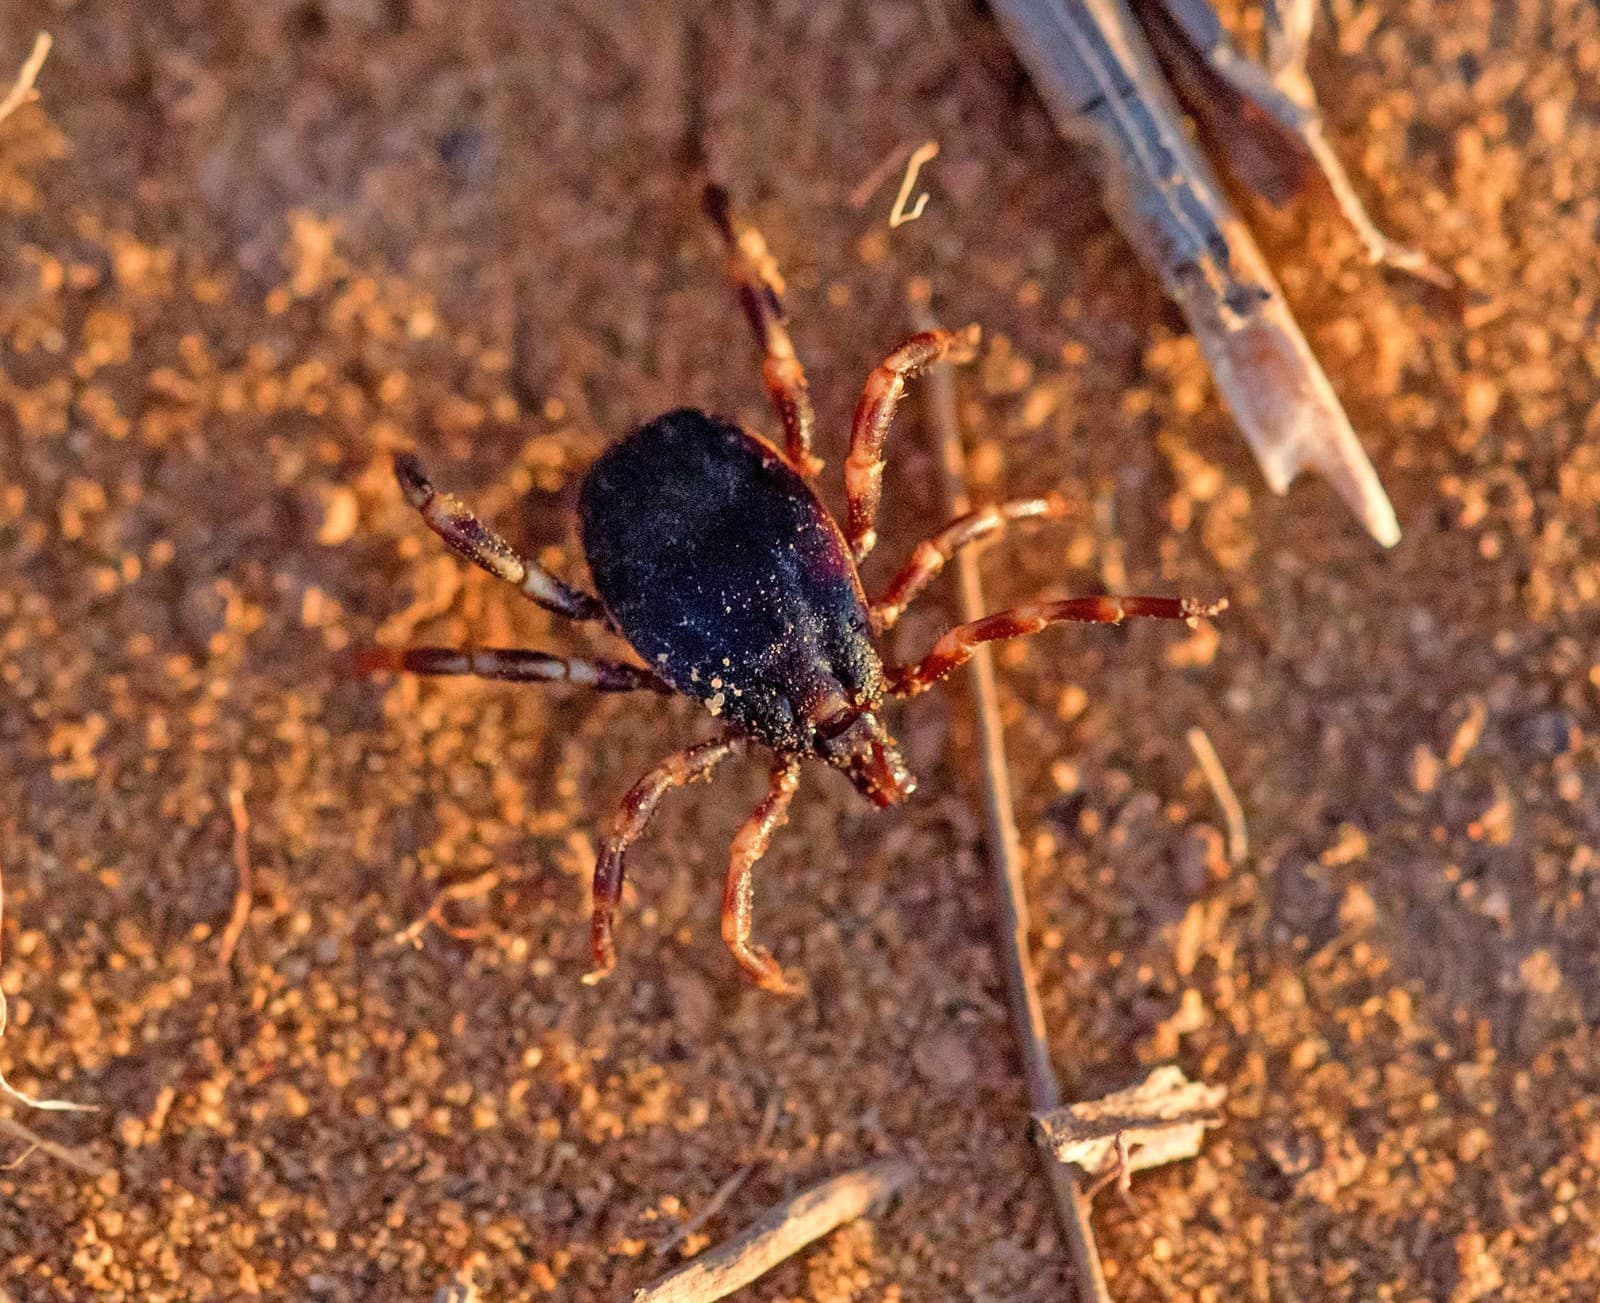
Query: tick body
[(729, 578), (734, 585)]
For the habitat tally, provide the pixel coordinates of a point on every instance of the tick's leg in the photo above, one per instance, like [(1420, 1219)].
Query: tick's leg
[(452, 520), (637, 807), (512, 665), (863, 470), (957, 646), (931, 555), (738, 898), (755, 275)]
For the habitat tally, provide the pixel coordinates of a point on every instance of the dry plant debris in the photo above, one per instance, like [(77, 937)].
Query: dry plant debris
[(1004, 845), (22, 90), (899, 215), (780, 1234), (1161, 1120)]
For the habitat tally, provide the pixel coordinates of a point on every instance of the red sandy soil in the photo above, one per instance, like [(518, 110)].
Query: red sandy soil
[(248, 250)]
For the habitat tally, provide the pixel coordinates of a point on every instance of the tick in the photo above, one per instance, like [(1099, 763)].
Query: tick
[(715, 560)]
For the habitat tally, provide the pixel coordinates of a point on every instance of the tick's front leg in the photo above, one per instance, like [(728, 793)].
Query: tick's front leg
[(453, 521), (513, 665)]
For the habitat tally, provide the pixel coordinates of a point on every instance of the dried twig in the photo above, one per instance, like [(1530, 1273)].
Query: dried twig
[(1072, 1209), (896, 157), (486, 881), (243, 878), (782, 1233), (898, 215), (728, 1188), (1232, 812), (36, 1142), (1102, 84), (22, 90), (1275, 108), (1161, 1120)]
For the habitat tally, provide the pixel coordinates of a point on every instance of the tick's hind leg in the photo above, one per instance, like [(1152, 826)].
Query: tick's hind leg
[(452, 520), (863, 470), (637, 807), (738, 899), (957, 646), (512, 665), (755, 275), (932, 554)]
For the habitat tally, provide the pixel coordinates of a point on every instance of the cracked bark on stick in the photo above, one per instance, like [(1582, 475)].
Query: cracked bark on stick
[(1100, 80), (1161, 1120)]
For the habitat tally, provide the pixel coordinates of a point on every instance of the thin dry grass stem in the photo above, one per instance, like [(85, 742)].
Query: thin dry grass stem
[(1120, 1173), (779, 1235), (469, 889), (38, 1144), (1227, 801), (244, 878), (861, 196), (730, 1187), (1005, 854), (22, 90), (6, 1088), (899, 215)]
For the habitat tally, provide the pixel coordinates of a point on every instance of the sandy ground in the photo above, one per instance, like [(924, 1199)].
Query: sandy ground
[(253, 248)]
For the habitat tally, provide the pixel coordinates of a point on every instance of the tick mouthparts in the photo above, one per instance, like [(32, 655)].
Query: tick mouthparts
[(868, 755), (882, 775)]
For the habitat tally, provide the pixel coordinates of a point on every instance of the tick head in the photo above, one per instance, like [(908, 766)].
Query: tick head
[(854, 741)]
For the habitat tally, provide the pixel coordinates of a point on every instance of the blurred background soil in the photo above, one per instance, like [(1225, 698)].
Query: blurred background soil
[(248, 250)]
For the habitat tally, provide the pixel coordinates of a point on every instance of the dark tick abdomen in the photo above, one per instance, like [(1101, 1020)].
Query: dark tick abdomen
[(728, 575)]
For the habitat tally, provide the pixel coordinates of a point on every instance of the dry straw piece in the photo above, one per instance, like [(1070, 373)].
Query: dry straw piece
[(1161, 1120), (779, 1235), (1005, 850), (22, 90)]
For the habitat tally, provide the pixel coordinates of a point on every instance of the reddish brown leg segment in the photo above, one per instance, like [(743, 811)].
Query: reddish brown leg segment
[(637, 807), (956, 647), (738, 899), (755, 275), (452, 520), (863, 470), (513, 665), (932, 555)]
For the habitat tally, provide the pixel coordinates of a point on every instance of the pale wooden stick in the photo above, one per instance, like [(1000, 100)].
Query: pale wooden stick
[(1005, 853), (1232, 812), (779, 1235), (243, 878), (22, 91)]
